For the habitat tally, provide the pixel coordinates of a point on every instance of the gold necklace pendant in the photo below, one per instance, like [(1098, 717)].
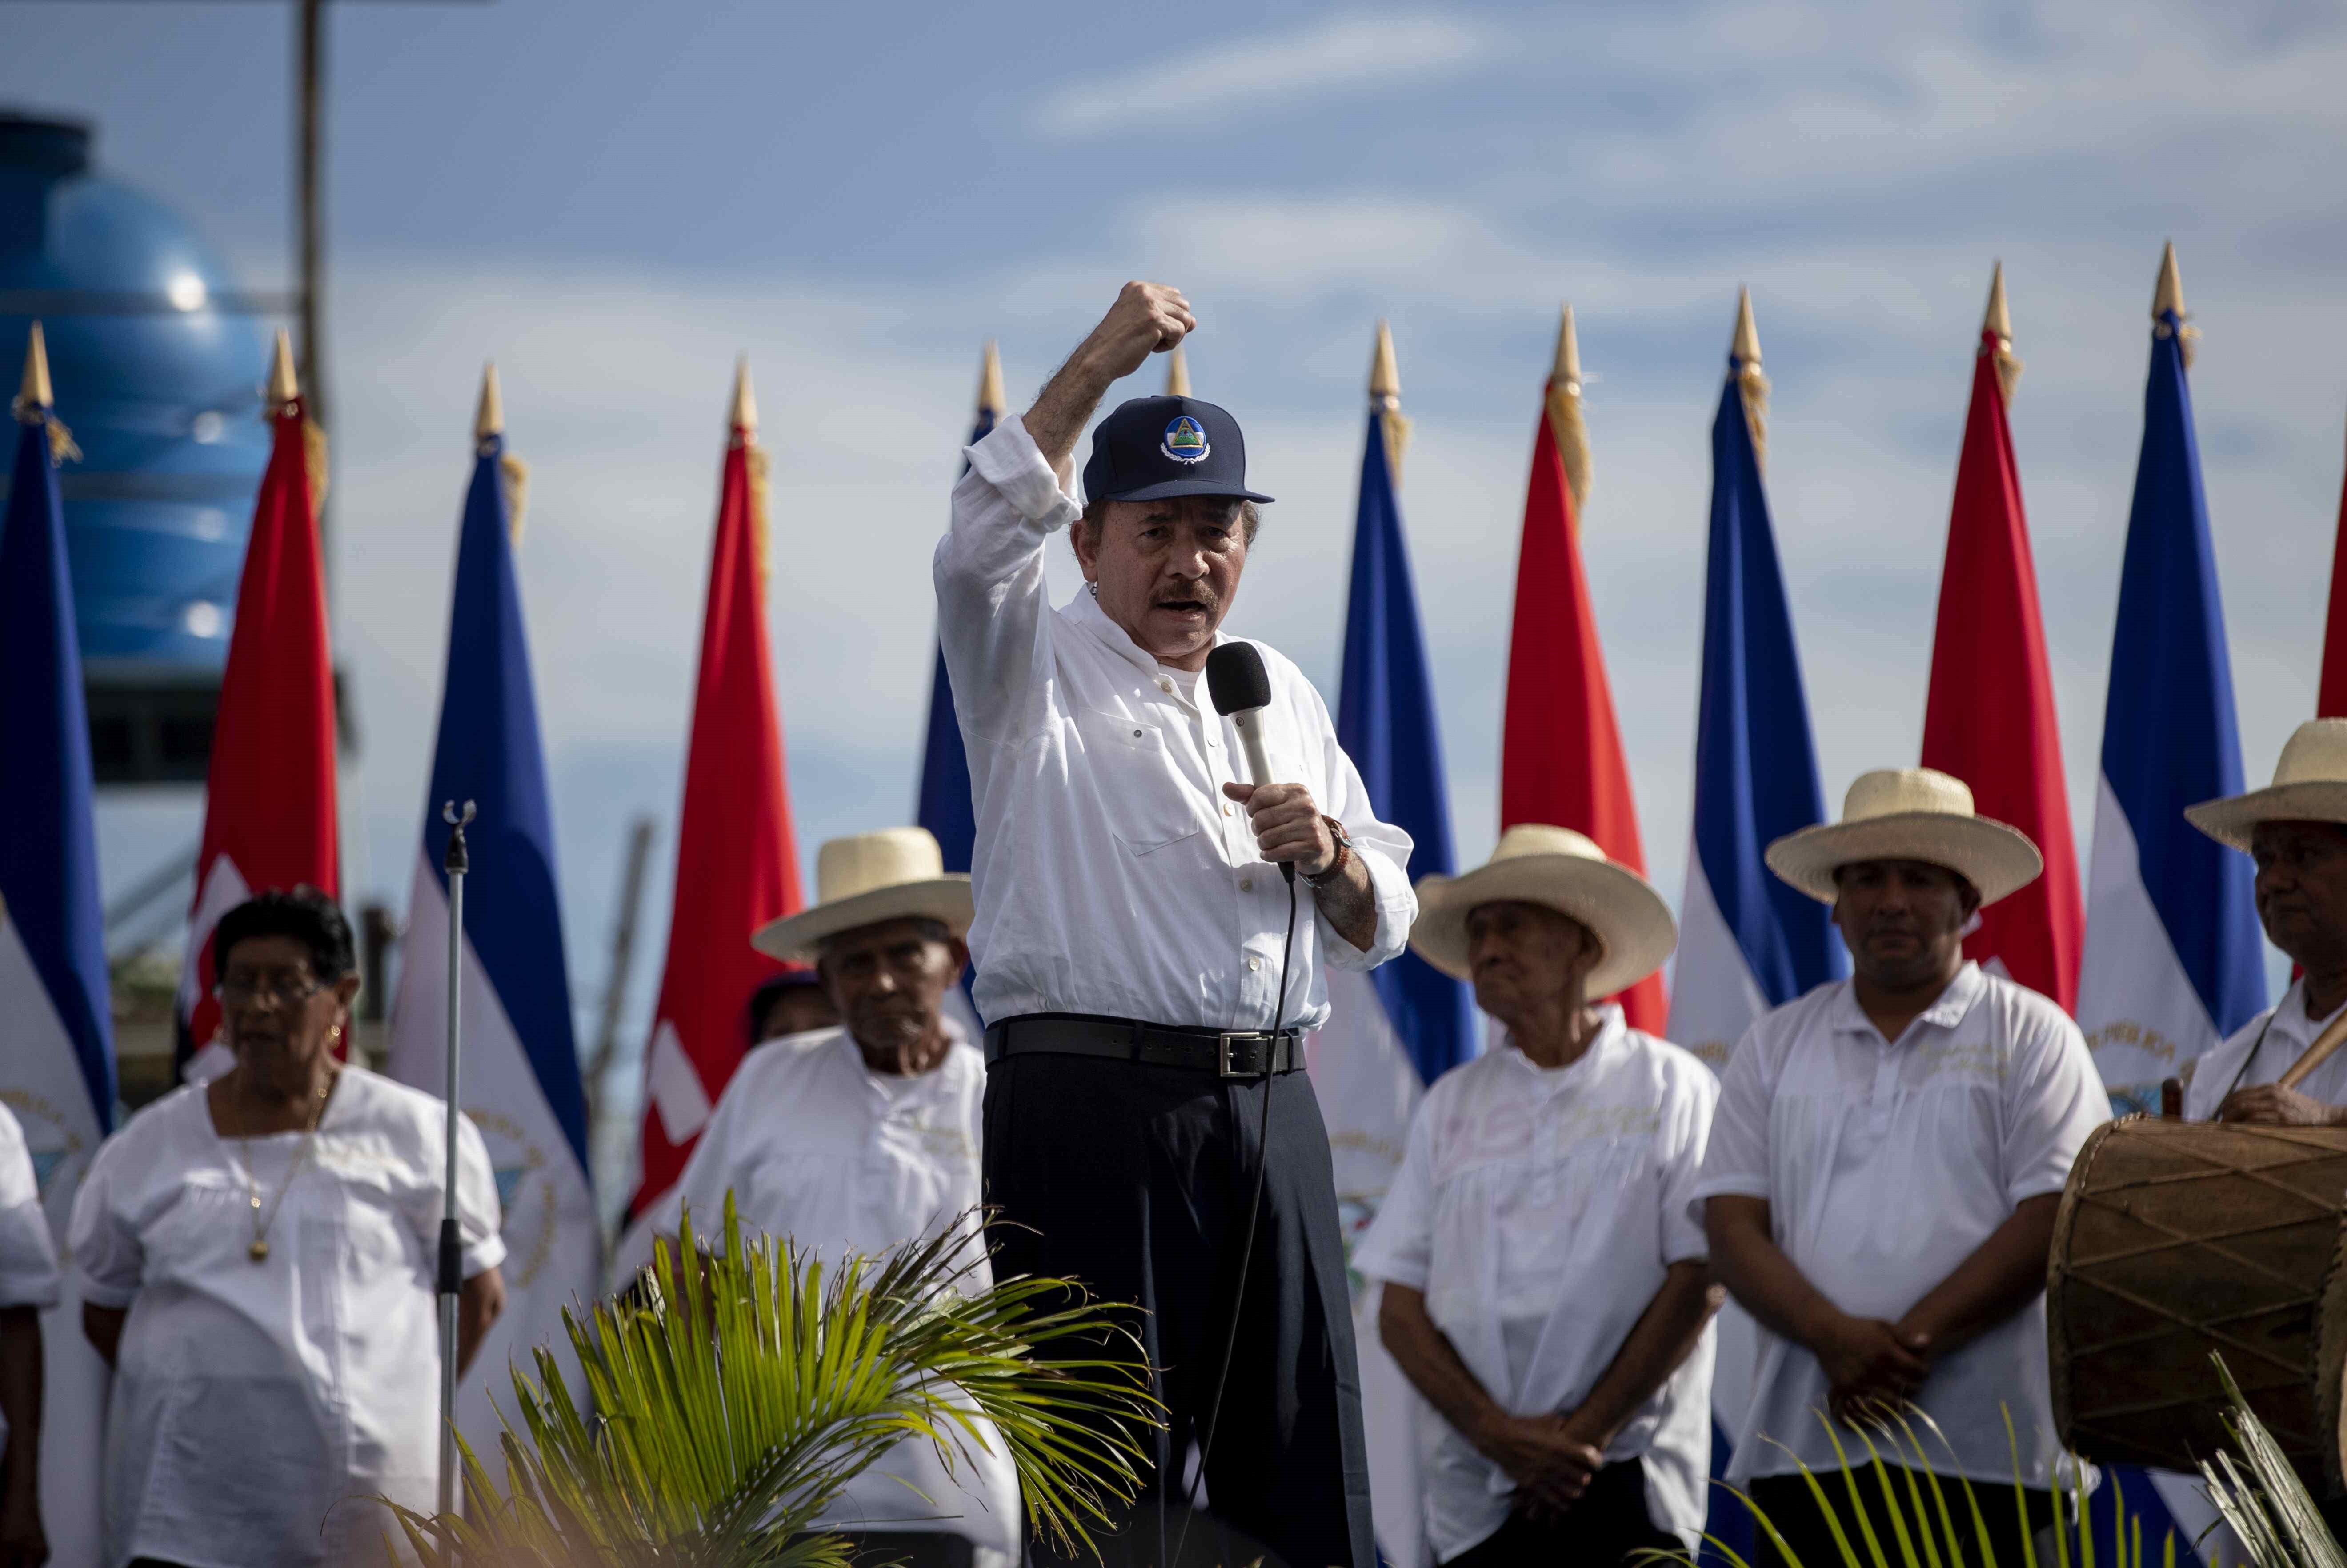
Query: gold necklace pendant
[(259, 1250)]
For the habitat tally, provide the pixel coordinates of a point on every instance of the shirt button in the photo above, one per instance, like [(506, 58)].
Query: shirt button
[(1254, 963), (1247, 884), (1226, 808), (1136, 734), (1165, 686)]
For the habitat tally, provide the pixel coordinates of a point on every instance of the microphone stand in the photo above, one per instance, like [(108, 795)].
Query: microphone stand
[(451, 1282)]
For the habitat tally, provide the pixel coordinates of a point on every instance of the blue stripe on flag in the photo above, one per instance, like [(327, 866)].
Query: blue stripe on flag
[(1385, 721), (489, 753), (1756, 770), (49, 845), (2169, 735)]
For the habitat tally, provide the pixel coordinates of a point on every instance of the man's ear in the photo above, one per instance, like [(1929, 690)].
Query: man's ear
[(960, 954)]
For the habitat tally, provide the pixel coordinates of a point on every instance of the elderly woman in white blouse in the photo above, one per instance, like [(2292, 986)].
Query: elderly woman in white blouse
[(256, 1262)]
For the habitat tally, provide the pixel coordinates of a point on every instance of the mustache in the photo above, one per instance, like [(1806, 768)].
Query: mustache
[(1183, 598)]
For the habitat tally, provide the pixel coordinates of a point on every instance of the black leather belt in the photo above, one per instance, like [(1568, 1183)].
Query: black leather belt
[(1242, 1054)]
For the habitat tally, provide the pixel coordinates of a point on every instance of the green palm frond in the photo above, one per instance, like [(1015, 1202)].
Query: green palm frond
[(1896, 1466), (2261, 1495), (722, 1414)]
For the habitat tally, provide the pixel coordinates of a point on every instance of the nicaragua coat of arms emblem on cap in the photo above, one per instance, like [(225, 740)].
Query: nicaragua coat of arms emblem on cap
[(1185, 441)]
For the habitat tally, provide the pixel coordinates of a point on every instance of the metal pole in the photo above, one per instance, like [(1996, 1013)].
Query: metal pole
[(310, 221), (452, 1251)]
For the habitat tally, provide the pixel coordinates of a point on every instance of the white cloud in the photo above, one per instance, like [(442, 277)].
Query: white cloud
[(1339, 55)]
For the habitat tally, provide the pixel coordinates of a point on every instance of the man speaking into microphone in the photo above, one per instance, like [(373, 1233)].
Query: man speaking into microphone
[(1135, 900)]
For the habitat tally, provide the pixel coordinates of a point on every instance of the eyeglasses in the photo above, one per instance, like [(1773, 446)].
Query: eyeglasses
[(267, 991)]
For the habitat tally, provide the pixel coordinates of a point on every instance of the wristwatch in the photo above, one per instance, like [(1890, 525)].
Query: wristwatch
[(1344, 853)]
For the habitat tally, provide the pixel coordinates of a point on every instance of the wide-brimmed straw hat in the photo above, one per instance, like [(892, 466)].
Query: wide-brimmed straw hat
[(896, 874), (1909, 813), (2310, 785), (1562, 870)]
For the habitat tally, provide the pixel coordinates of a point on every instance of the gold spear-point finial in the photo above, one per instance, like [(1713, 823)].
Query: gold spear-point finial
[(1385, 402), (2168, 296), (1565, 421), (1385, 377), (2167, 300), (1745, 351), (1747, 346), (283, 387), (744, 417), (35, 397), (489, 419), (1998, 316), (1566, 371), (990, 401), (1177, 373), (1997, 322)]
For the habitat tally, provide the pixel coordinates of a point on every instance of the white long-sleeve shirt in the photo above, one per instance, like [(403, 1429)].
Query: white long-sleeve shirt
[(1111, 874)]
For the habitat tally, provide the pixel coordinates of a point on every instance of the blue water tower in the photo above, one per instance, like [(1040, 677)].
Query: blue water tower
[(157, 361)]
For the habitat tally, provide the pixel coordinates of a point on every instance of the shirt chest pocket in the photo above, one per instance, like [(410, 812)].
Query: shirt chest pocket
[(1144, 793)]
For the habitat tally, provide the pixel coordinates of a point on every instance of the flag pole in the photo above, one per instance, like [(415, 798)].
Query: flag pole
[(452, 1261)]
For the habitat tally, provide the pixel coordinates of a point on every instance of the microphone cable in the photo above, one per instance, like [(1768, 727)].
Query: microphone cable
[(1255, 1216)]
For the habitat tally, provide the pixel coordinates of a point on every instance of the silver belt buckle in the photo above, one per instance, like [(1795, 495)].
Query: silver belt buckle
[(1224, 1043)]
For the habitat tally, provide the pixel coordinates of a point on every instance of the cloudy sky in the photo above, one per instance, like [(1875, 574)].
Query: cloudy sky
[(613, 199)]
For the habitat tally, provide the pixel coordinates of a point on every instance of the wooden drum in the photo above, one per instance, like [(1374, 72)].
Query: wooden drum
[(2176, 1240)]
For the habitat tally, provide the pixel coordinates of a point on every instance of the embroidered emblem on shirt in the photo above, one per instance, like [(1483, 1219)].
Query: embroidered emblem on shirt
[(1185, 441)]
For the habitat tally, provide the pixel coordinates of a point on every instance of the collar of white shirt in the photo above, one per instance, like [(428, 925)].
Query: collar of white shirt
[(1946, 1012), (1613, 1034)]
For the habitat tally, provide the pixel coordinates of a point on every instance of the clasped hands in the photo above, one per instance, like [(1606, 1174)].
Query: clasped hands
[(1288, 825), (1872, 1368), (1552, 1458)]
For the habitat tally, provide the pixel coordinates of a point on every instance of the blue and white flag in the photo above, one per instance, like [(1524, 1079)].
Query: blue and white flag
[(1747, 942), (520, 1066), (56, 1070), (1392, 1031), (2173, 960)]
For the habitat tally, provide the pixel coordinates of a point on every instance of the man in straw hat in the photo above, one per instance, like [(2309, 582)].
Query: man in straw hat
[(1545, 1278), (1144, 1002), (1883, 1172), (861, 1137), (2296, 831)]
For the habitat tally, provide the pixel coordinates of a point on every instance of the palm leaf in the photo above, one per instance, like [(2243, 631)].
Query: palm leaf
[(723, 1412)]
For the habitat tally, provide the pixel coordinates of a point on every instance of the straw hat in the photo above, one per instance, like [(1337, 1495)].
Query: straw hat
[(1562, 870), (1909, 813), (2310, 785), (896, 874)]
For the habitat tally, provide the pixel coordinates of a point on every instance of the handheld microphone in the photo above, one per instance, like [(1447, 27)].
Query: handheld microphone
[(1240, 689)]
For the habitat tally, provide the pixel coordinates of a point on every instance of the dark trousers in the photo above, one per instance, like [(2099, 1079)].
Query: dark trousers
[(1135, 1180), (1787, 1502), (1604, 1528)]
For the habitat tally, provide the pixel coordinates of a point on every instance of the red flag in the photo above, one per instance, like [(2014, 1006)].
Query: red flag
[(269, 800), (2331, 700), (736, 863), (1561, 759), (1989, 719)]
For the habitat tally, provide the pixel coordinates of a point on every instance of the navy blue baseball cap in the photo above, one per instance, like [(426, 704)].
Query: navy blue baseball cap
[(1153, 447)]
